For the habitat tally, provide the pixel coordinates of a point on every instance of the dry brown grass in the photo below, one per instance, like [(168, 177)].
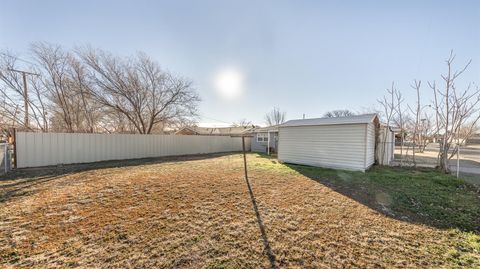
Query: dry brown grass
[(198, 214)]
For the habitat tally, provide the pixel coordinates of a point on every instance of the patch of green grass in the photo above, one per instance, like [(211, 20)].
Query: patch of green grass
[(430, 196), (422, 195), (473, 241), (466, 250), (416, 195), (269, 164)]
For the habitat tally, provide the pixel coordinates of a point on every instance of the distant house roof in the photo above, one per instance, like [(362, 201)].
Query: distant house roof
[(273, 128), (357, 119), (196, 130)]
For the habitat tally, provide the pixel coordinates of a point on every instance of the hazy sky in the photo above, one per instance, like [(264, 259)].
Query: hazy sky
[(302, 56)]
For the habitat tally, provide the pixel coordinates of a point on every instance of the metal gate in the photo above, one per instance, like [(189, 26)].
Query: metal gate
[(5, 158)]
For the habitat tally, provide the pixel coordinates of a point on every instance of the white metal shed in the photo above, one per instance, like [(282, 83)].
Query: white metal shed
[(342, 142)]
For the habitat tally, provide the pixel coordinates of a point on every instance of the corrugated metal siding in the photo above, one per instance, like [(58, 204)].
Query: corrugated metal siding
[(42, 149), (370, 156), (335, 146)]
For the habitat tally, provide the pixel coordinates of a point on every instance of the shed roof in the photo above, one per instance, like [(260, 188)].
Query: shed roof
[(357, 119)]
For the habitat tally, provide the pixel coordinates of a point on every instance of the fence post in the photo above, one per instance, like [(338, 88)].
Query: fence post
[(15, 148), (6, 157), (244, 157), (458, 160)]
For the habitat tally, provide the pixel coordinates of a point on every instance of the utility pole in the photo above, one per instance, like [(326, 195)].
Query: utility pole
[(25, 91), (244, 158), (458, 158)]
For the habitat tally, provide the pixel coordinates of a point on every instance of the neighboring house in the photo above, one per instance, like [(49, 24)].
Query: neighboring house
[(196, 130), (342, 142), (265, 139)]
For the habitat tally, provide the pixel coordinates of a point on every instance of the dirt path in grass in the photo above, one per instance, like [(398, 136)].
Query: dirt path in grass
[(198, 214)]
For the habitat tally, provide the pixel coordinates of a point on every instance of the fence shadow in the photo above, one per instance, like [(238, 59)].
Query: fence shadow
[(406, 195), (18, 182)]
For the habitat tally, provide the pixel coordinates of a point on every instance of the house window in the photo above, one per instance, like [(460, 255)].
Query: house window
[(262, 137)]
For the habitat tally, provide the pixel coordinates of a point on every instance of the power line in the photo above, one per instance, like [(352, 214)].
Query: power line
[(17, 58), (203, 116), (23, 72)]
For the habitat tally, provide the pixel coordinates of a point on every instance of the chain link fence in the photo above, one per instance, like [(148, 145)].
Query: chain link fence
[(465, 162)]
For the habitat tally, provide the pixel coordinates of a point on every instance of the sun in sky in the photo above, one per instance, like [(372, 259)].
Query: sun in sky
[(229, 83)]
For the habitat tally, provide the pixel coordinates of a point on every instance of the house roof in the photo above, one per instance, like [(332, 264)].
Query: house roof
[(215, 130), (357, 119), (273, 128)]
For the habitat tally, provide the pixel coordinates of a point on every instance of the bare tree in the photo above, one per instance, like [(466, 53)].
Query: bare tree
[(115, 122), (456, 110), (89, 112), (92, 91), (426, 130), (389, 109), (242, 123), (137, 88), (65, 82), (339, 113), (399, 120), (416, 112), (275, 117), (54, 67)]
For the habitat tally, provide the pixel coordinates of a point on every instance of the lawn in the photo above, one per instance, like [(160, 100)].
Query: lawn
[(193, 212)]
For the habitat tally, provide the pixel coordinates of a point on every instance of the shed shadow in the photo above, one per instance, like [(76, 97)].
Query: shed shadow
[(421, 196)]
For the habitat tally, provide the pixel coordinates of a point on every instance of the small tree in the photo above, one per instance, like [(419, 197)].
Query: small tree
[(399, 120), (455, 110), (275, 117), (416, 111), (389, 109)]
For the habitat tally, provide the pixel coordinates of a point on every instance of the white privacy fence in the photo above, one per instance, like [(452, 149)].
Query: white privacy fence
[(42, 149), (385, 146)]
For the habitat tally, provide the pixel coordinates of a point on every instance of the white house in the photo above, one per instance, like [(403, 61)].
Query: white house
[(342, 142), (265, 139)]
